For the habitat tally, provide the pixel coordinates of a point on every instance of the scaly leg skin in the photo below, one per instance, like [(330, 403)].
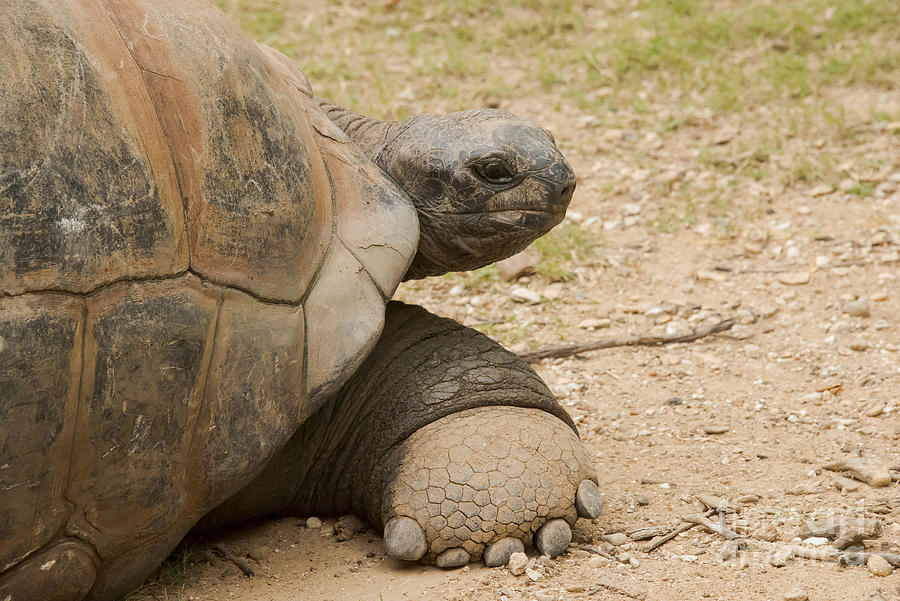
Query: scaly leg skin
[(443, 437), (462, 486), (468, 454)]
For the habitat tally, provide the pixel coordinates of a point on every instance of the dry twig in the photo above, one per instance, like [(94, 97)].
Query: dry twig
[(646, 533), (662, 539), (596, 551), (720, 529), (608, 586), (229, 556), (567, 350)]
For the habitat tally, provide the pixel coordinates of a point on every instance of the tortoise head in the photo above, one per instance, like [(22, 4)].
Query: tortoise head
[(485, 184)]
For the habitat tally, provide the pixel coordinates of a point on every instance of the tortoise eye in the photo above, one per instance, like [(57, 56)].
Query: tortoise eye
[(494, 171)]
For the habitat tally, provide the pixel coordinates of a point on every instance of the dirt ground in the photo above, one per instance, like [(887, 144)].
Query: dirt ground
[(808, 376)]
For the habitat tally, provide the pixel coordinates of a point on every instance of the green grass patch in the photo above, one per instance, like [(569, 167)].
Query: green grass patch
[(862, 189), (563, 246)]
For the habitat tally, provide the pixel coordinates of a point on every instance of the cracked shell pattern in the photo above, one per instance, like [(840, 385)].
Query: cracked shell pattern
[(480, 475)]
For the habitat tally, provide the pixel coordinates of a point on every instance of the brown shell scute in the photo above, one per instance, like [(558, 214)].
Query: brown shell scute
[(40, 360), (146, 355), (254, 395), (86, 181), (263, 207), (259, 202)]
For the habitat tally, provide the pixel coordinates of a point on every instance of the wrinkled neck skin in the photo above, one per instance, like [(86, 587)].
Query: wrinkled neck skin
[(485, 183), (374, 137), (371, 135)]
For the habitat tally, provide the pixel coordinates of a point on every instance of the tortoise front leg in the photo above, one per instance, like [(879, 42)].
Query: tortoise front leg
[(444, 438), (460, 449)]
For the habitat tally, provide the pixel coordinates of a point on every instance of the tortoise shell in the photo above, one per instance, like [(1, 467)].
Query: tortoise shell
[(192, 258)]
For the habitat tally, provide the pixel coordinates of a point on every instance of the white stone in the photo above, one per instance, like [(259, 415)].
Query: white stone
[(517, 563), (815, 541), (525, 295), (879, 566), (595, 323), (797, 594)]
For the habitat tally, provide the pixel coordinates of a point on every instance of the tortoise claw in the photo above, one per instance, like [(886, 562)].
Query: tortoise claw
[(404, 539), (498, 552), (553, 537), (456, 557), (588, 501)]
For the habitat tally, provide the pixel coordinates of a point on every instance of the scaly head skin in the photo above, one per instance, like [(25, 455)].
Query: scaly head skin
[(485, 183)]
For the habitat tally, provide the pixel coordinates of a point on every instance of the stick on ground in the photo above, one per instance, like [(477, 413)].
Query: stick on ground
[(659, 541), (229, 556), (720, 529), (567, 350)]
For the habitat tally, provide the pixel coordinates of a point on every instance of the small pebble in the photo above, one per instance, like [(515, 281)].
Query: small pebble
[(598, 561), (842, 526), (793, 278), (879, 566), (313, 523), (544, 596), (546, 562), (631, 209), (593, 323), (517, 265), (875, 411), (856, 308), (615, 539), (859, 345), (815, 541), (821, 190), (715, 429), (517, 563), (533, 574), (524, 295), (748, 499), (797, 594)]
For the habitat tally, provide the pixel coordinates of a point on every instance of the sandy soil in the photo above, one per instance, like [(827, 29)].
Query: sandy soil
[(796, 384)]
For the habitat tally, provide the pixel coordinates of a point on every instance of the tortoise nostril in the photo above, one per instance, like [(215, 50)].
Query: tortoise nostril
[(567, 190)]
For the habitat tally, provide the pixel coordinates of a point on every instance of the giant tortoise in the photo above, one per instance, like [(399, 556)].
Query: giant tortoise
[(197, 258)]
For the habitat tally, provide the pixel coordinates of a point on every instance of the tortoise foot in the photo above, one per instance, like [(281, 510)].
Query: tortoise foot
[(477, 482)]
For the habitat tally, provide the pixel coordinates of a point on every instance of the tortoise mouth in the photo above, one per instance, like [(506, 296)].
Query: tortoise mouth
[(544, 210), (537, 220)]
